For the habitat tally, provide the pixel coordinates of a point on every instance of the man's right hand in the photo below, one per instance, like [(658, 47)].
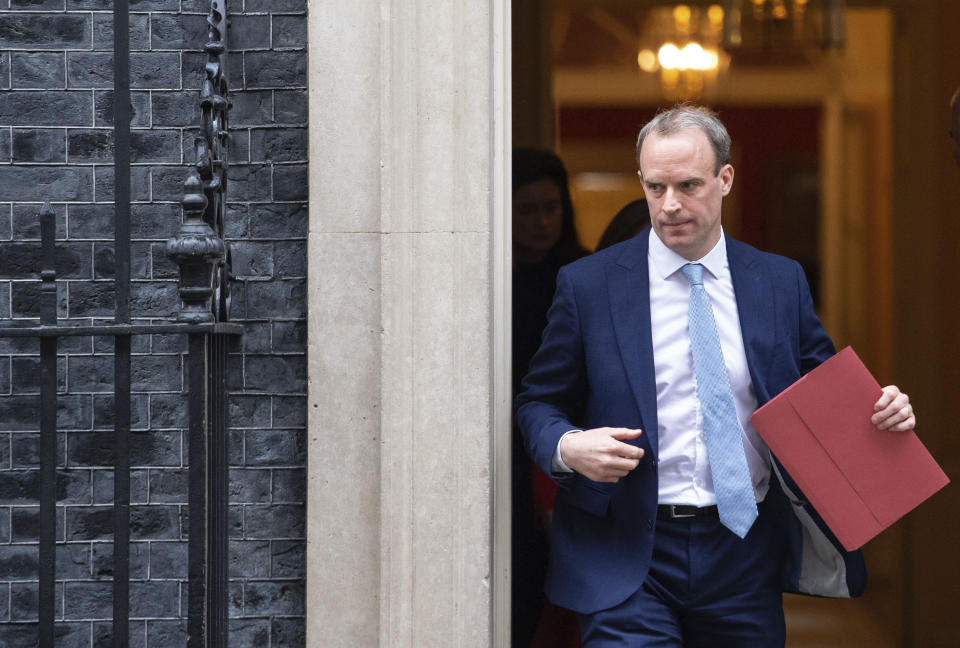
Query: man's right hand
[(600, 454)]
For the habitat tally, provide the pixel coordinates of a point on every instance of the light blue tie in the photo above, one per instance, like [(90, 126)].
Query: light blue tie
[(731, 476)]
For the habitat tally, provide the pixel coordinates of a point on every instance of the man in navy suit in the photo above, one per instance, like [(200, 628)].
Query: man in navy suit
[(610, 408)]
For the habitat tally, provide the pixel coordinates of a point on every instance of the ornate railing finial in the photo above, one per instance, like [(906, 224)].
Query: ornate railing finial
[(199, 247)]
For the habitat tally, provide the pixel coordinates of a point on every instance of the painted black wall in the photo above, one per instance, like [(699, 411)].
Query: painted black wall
[(56, 144)]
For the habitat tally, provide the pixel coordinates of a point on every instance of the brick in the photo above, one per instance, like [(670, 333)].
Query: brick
[(289, 337), (249, 559), (288, 633), (40, 183), (178, 31), (48, 145), (25, 524), (19, 563), (90, 221), (24, 600), (276, 5), (155, 146), (168, 411), (44, 31), (26, 221), (280, 299), (275, 448), (4, 70), (162, 266), (249, 411), (19, 412), (74, 561), (25, 373), (275, 69), (279, 221), (252, 108), (154, 599), (249, 486), (166, 633), (290, 31), (47, 108), (139, 104), (256, 337), (289, 411), (25, 260), (89, 523), (278, 521), (278, 144), (275, 374), (102, 560), (90, 373), (175, 109), (159, 221), (4, 538), (250, 260), (168, 486), (247, 182), (4, 612), (290, 259), (92, 299), (104, 264), (103, 487), (156, 448), (288, 559), (168, 182), (290, 106), (139, 31), (36, 4), (72, 635), (168, 559), (154, 299), (290, 182), (155, 70), (250, 32), (45, 70), (90, 69), (154, 522), (249, 633), (274, 598), (289, 486), (6, 155), (156, 373), (139, 181), (88, 600)]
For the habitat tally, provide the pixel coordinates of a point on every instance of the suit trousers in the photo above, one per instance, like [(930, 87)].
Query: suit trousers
[(706, 588)]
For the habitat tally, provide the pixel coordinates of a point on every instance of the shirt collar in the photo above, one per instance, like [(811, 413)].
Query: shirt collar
[(666, 261)]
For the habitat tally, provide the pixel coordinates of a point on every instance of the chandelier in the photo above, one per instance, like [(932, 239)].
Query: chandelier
[(689, 46)]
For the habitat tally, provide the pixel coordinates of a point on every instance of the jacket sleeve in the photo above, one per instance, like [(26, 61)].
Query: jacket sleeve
[(551, 399)]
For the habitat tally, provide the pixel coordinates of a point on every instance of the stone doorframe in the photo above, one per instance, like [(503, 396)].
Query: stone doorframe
[(409, 276)]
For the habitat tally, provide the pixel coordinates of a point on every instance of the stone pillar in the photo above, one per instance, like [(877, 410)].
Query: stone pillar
[(407, 306)]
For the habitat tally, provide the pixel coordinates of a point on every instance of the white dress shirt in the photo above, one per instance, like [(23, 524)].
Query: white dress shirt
[(683, 465)]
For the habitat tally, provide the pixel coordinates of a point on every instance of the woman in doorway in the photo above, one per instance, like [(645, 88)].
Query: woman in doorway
[(544, 239)]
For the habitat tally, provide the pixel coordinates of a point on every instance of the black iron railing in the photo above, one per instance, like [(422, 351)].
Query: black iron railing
[(203, 257)]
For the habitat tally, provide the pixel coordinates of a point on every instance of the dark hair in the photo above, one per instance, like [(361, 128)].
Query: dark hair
[(687, 116), (632, 219), (532, 165)]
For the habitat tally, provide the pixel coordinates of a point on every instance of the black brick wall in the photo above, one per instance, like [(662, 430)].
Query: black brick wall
[(56, 98)]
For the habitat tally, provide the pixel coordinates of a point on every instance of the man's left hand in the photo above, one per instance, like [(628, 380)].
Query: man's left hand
[(894, 411)]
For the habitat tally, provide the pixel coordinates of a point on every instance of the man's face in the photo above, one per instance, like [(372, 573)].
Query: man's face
[(683, 192)]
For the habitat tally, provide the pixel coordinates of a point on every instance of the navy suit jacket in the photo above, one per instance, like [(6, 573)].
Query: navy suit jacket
[(595, 368)]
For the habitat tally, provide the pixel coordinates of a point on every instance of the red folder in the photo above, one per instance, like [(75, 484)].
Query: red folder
[(858, 478)]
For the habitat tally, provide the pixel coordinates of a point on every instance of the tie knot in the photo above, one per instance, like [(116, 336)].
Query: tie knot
[(694, 273)]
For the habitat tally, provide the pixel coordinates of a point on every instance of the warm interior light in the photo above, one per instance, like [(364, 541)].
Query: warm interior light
[(647, 60), (669, 56)]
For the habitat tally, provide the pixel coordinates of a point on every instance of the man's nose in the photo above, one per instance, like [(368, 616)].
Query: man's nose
[(670, 203)]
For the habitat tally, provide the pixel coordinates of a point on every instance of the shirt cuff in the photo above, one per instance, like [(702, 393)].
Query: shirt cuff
[(557, 465)]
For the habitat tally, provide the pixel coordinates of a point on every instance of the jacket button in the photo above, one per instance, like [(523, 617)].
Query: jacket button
[(650, 525)]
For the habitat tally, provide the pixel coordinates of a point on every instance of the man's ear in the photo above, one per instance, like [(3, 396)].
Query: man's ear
[(726, 177), (640, 175)]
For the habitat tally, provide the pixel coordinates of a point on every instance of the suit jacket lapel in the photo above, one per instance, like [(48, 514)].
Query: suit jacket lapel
[(628, 286), (756, 307)]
